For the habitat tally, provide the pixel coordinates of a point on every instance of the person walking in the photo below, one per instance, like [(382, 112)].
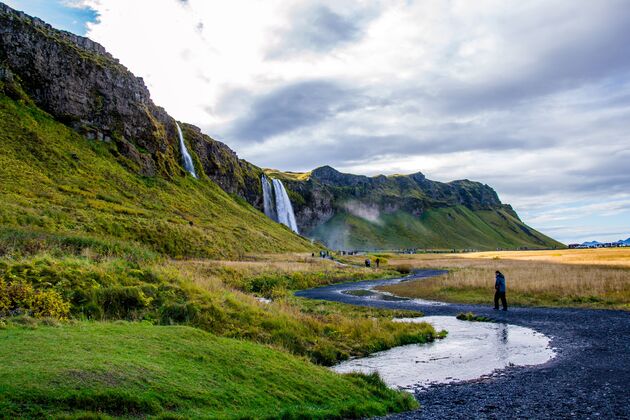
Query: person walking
[(499, 293), (378, 262)]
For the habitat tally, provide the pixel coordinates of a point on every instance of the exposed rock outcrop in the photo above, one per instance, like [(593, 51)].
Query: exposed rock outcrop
[(80, 84), (327, 190)]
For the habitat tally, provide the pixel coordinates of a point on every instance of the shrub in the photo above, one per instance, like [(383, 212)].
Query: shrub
[(469, 316), (122, 302), (178, 313), (22, 298), (403, 268)]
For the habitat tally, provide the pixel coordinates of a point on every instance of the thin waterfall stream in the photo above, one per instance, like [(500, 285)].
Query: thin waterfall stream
[(186, 158)]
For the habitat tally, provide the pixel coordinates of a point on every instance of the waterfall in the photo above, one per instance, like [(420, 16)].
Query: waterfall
[(277, 203), (283, 206), (270, 209), (186, 159)]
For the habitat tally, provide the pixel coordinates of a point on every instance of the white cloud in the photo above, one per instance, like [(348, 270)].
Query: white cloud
[(532, 98)]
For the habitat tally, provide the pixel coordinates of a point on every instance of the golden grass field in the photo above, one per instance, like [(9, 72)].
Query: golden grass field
[(597, 278)]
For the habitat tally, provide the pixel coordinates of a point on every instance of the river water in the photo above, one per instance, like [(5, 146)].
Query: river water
[(470, 351)]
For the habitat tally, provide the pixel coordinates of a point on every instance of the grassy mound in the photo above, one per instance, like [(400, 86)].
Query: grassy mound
[(60, 183), (138, 370)]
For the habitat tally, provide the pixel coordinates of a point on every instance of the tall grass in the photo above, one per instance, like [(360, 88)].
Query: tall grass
[(543, 278), (218, 297)]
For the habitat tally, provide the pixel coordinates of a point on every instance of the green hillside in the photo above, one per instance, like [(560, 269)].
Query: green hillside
[(55, 180), (452, 227), (346, 211), (93, 370)]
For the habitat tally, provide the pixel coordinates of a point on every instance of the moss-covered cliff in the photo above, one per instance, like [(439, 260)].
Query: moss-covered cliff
[(404, 211)]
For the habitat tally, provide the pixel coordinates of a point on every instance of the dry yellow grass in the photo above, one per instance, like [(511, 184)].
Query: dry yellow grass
[(601, 256), (214, 275), (590, 278)]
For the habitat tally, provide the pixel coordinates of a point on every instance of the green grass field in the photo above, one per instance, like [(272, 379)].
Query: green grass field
[(100, 369)]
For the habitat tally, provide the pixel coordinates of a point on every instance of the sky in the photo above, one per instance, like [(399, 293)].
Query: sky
[(531, 98)]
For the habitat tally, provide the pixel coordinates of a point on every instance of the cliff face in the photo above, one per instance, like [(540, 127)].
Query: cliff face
[(328, 190), (76, 81), (404, 211)]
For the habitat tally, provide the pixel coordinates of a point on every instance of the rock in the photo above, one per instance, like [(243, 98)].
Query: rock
[(76, 81)]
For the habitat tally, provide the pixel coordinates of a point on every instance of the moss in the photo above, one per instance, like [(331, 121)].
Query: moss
[(469, 316)]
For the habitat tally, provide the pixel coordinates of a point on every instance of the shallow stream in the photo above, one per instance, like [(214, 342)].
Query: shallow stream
[(470, 351)]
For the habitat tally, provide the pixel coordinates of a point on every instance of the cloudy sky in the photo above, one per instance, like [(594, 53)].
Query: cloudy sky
[(530, 97)]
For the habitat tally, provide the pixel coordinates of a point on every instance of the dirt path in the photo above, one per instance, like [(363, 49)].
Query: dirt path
[(589, 377)]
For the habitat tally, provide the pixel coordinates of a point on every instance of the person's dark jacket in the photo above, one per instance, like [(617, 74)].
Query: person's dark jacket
[(499, 283)]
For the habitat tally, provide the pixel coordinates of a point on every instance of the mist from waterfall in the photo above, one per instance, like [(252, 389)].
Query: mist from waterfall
[(277, 204), (186, 158)]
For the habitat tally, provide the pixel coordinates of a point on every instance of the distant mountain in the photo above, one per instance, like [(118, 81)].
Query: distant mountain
[(597, 244), (348, 211)]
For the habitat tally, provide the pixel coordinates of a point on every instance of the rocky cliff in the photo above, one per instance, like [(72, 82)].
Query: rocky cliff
[(355, 211), (76, 81)]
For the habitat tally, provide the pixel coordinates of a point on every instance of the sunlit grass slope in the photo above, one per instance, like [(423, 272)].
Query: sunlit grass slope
[(52, 179), (454, 227), (138, 370)]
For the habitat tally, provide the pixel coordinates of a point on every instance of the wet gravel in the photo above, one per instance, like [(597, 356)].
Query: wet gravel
[(589, 377)]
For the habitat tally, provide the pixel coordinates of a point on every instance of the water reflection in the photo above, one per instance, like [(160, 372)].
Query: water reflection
[(471, 350)]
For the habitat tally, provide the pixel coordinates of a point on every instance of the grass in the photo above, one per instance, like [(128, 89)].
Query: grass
[(469, 316), (216, 296), (595, 278), (619, 257), (56, 182), (448, 228), (98, 370)]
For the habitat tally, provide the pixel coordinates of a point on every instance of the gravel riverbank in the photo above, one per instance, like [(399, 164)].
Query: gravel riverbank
[(589, 377)]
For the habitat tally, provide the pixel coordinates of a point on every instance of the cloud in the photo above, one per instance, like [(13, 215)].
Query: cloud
[(531, 98), (313, 27), (293, 106)]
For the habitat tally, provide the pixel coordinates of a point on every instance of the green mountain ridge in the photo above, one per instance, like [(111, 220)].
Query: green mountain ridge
[(347, 211)]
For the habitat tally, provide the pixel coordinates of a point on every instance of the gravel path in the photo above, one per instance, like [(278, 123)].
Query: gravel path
[(589, 377)]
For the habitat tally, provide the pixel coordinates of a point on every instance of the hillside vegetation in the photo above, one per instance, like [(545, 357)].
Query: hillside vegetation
[(442, 228), (55, 181), (347, 212)]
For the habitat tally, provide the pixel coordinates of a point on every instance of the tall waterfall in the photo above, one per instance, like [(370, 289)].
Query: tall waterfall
[(186, 159), (280, 208), (283, 206)]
